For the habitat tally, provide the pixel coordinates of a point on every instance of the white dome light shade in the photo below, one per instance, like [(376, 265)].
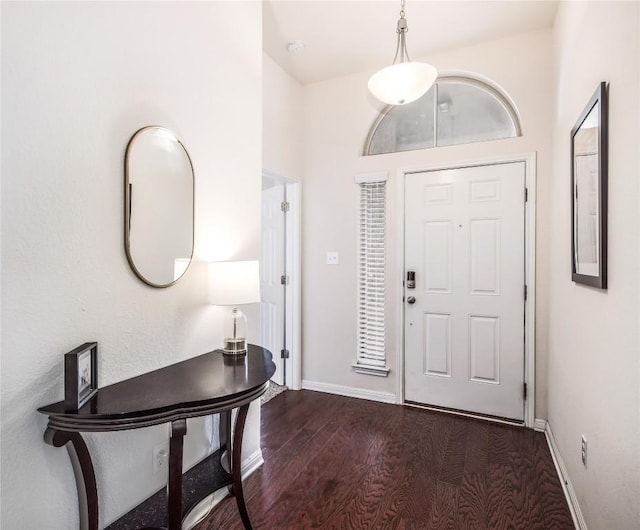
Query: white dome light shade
[(402, 83)]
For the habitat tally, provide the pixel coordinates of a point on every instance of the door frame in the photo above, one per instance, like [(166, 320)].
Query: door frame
[(529, 160), (293, 240)]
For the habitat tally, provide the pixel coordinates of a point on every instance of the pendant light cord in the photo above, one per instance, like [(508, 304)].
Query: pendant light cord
[(401, 45)]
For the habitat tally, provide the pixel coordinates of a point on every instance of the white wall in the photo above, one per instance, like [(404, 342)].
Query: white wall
[(79, 79), (338, 115), (282, 121), (594, 360)]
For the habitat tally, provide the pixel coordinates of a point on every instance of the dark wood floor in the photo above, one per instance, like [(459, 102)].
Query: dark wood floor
[(342, 463)]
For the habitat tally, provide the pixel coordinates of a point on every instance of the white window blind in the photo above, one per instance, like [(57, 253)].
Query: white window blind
[(371, 295)]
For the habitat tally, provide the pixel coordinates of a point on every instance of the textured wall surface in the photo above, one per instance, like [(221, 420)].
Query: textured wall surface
[(282, 124), (594, 344), (78, 79)]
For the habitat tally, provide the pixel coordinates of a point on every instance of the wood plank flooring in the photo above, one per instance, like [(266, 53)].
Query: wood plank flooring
[(341, 463)]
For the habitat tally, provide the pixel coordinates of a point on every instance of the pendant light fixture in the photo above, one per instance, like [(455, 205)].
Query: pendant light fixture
[(404, 81)]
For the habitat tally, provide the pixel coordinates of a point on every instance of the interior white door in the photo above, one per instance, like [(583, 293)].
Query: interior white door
[(272, 291), (464, 334)]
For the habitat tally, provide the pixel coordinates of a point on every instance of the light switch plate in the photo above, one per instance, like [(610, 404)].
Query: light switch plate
[(333, 258)]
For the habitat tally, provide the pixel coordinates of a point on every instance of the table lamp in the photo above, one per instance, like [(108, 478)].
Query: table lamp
[(234, 283)]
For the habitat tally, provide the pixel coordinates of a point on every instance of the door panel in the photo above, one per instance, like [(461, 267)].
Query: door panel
[(464, 335), (437, 344), (484, 349), (485, 256), (437, 263), (273, 267)]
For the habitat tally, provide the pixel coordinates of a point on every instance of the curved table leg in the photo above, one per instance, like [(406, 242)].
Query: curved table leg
[(84, 472), (236, 465), (225, 439), (174, 498)]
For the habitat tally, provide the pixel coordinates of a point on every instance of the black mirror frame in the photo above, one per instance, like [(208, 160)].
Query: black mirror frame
[(599, 281)]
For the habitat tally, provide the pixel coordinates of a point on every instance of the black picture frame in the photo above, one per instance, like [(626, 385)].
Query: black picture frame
[(589, 179), (80, 375)]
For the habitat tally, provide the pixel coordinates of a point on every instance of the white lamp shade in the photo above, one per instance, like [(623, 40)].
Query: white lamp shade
[(402, 83), (234, 282)]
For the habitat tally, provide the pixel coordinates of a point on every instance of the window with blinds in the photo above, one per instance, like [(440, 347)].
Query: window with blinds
[(371, 286)]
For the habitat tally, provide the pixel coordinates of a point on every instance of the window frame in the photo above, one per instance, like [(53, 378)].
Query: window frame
[(371, 363), (497, 94)]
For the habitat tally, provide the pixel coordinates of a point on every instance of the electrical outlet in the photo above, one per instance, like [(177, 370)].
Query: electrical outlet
[(584, 451), (333, 258), (160, 456)]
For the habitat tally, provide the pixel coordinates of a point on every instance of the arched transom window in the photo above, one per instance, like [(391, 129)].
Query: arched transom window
[(456, 110)]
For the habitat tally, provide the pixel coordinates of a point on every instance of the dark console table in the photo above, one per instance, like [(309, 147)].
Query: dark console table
[(212, 383)]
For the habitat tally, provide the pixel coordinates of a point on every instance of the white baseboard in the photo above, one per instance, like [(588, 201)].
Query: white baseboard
[(565, 481), (204, 507), (252, 463), (348, 391), (539, 425)]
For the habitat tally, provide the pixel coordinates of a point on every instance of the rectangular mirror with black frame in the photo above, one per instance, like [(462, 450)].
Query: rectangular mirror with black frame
[(589, 160)]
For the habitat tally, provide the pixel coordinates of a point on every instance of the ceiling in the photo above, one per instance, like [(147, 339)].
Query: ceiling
[(344, 37)]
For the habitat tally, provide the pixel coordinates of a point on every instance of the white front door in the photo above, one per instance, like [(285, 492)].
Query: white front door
[(272, 291), (464, 333)]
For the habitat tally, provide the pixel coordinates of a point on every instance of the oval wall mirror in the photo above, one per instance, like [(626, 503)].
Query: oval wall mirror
[(159, 198)]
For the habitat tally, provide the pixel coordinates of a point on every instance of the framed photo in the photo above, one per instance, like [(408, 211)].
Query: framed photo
[(589, 163), (80, 375)]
